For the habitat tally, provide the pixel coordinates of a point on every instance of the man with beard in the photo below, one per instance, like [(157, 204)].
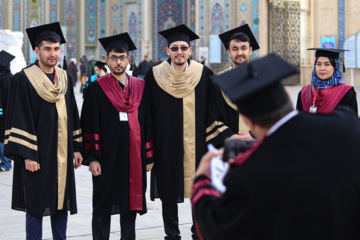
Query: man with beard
[(178, 92), (43, 136), (118, 145), (239, 43), (5, 79)]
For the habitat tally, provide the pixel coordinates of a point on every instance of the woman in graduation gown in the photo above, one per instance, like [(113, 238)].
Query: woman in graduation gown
[(327, 89)]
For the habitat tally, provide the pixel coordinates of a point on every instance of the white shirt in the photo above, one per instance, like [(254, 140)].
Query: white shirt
[(282, 121)]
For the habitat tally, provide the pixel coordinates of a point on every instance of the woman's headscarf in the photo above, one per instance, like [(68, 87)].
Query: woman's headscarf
[(335, 79)]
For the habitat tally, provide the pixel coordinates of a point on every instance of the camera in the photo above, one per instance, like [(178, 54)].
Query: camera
[(234, 147)]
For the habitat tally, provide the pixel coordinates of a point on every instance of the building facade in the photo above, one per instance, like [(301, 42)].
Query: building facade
[(287, 27)]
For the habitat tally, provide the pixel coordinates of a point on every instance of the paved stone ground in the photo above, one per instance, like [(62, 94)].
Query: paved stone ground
[(148, 226)]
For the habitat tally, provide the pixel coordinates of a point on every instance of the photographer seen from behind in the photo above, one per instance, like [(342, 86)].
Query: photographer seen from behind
[(299, 181)]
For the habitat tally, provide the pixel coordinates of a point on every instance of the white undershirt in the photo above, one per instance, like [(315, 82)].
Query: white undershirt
[(282, 121)]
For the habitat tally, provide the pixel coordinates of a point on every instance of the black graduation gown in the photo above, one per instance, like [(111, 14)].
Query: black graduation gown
[(302, 182), (226, 118), (167, 178), (37, 192), (99, 117), (348, 100), (5, 79)]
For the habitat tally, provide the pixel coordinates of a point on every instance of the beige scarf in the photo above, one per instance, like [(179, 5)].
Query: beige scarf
[(242, 125), (182, 85), (54, 93), (178, 84)]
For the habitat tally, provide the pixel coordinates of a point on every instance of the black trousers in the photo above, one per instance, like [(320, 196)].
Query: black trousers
[(101, 226), (171, 222)]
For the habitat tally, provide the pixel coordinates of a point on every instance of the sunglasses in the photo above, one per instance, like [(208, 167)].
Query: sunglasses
[(175, 49)]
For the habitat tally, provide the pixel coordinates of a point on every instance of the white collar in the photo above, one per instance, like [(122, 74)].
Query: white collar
[(282, 121), (187, 65)]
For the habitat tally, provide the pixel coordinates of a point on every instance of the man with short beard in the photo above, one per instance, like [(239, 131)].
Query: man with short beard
[(43, 136), (178, 92), (239, 43), (118, 144)]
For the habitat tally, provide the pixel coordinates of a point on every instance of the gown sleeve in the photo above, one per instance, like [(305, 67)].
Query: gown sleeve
[(216, 216), (349, 100), (216, 130), (90, 124), (299, 106), (149, 140), (77, 132), (20, 134)]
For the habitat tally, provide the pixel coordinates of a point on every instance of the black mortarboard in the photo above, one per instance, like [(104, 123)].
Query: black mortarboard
[(225, 37), (256, 87), (101, 65), (179, 33), (5, 59), (39, 33), (119, 41), (328, 52)]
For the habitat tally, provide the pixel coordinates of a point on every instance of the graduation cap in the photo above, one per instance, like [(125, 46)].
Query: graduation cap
[(5, 59), (101, 65), (39, 33), (226, 36), (256, 87), (328, 52), (333, 53), (119, 41), (179, 33)]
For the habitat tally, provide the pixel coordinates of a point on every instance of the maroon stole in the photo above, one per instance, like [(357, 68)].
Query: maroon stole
[(129, 101), (327, 99)]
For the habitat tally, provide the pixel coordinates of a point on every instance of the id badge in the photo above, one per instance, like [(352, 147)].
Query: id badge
[(123, 116), (313, 109)]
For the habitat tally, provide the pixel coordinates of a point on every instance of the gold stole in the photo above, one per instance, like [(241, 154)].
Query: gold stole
[(55, 93), (182, 85), (242, 126)]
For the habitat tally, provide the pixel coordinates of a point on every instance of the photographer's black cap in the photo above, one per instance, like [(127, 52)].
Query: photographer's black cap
[(179, 33), (226, 36), (5, 58), (256, 87), (39, 33), (119, 41)]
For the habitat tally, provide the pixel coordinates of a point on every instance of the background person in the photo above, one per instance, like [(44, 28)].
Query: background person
[(5, 80), (239, 44), (327, 89)]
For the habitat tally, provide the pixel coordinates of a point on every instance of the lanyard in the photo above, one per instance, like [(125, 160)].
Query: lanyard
[(126, 82), (54, 76), (315, 96)]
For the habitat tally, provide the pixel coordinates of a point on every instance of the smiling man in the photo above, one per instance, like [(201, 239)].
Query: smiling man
[(239, 44), (43, 136), (178, 93)]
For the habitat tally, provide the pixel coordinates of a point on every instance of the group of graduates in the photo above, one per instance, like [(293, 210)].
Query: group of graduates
[(300, 179)]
